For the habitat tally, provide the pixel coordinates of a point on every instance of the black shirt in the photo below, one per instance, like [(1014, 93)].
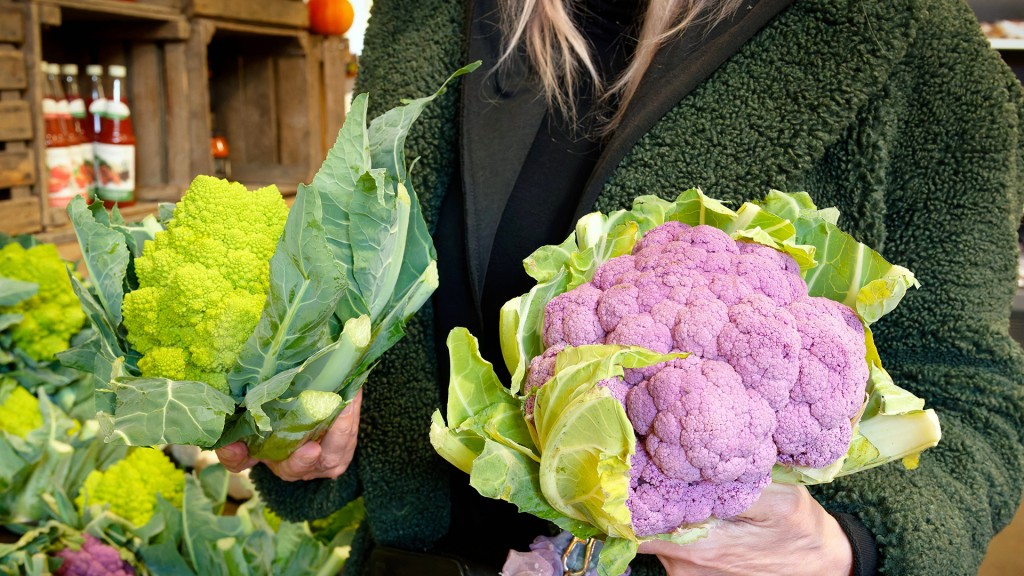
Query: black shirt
[(539, 212)]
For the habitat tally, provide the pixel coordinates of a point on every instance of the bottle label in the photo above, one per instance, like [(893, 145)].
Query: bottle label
[(87, 172), (97, 106), (50, 109), (77, 107), (116, 110), (115, 171), (61, 186)]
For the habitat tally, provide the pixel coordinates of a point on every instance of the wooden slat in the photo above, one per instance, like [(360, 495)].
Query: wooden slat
[(276, 12), (292, 90), (17, 168), (33, 49), (148, 31), (260, 135), (334, 52), (20, 216), (199, 103), (12, 24), (176, 80), (147, 107), (12, 70), (15, 121), (119, 8)]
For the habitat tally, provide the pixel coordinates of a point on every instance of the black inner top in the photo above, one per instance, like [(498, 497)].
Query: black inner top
[(539, 212)]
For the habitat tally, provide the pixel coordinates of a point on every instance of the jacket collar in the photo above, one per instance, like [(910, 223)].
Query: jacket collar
[(500, 114)]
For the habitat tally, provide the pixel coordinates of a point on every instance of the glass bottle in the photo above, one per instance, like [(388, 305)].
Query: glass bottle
[(115, 146)]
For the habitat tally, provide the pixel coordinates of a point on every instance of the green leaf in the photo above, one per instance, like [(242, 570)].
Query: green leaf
[(378, 224), (847, 271), (14, 291), (153, 411), (105, 255), (616, 554), (582, 474), (305, 283), (201, 527), (505, 474)]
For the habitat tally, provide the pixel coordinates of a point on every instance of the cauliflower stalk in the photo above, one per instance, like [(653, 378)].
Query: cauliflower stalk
[(675, 359), (241, 319)]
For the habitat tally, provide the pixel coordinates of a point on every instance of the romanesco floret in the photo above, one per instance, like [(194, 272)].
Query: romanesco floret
[(129, 487), (203, 281), (53, 315), (774, 375), (19, 412)]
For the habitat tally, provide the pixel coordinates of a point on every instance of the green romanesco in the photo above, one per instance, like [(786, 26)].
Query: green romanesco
[(203, 281), (19, 412), (53, 315), (129, 487)]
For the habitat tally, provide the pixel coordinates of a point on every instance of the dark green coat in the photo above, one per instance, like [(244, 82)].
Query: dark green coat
[(894, 111)]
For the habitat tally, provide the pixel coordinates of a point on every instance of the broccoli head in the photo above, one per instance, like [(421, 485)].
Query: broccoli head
[(204, 280), (773, 376), (53, 315), (129, 487)]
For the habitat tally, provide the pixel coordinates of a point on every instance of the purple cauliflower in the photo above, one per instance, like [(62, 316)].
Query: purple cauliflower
[(773, 376), (94, 558), (545, 558)]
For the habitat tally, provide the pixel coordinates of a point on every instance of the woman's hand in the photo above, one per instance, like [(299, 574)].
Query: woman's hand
[(328, 458), (786, 532)]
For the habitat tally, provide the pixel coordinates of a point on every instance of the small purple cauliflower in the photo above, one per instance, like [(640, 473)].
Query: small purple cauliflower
[(545, 558), (773, 376), (94, 558)]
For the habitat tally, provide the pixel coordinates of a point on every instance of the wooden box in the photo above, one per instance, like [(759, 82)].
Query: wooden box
[(20, 204), (264, 96), (150, 40)]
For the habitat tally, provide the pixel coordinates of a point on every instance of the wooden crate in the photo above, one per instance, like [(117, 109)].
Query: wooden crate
[(150, 40), (336, 83), (284, 13), (20, 204), (264, 96)]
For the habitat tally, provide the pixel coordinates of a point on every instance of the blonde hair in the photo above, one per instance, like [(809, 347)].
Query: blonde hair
[(560, 55)]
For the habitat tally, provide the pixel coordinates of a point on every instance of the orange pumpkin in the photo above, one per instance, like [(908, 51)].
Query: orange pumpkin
[(330, 17)]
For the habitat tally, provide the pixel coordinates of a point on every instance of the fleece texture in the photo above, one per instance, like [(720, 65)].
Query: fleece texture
[(894, 111)]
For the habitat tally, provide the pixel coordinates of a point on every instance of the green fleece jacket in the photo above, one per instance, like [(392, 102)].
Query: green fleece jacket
[(894, 111)]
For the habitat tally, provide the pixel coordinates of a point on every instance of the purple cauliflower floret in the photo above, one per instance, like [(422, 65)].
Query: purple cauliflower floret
[(94, 558), (773, 376), (708, 442)]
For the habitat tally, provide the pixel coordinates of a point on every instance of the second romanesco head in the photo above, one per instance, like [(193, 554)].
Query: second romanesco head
[(129, 487), (53, 315), (203, 281)]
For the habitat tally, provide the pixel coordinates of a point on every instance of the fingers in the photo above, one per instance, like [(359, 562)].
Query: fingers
[(303, 464), (328, 458), (235, 457), (339, 443)]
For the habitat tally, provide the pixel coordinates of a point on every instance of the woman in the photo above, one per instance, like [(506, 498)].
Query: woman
[(894, 111)]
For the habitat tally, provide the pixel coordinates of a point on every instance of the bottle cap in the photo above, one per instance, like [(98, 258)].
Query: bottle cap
[(94, 70), (52, 68), (69, 69), (116, 71)]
